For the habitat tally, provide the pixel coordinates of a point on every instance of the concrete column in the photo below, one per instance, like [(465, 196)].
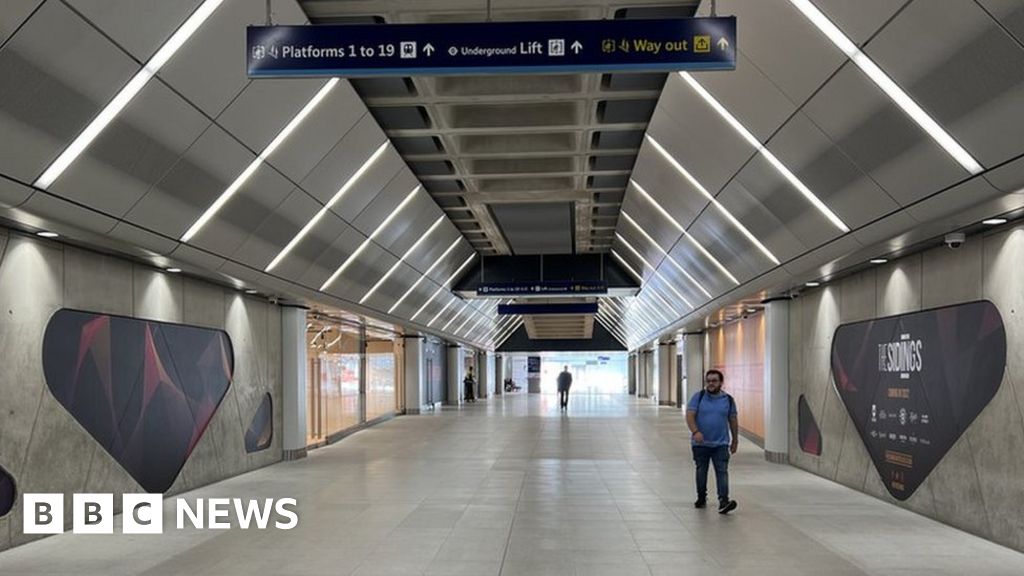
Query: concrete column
[(631, 374), (415, 374), (776, 381), (485, 371), (693, 361), (455, 375), (643, 389), (666, 373), (293, 379), (499, 375)]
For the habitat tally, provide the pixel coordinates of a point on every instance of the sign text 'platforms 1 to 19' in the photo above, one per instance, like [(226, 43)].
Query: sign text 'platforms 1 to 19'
[(492, 47)]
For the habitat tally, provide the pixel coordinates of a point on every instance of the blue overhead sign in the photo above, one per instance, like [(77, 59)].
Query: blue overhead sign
[(542, 288), (492, 47), (542, 309)]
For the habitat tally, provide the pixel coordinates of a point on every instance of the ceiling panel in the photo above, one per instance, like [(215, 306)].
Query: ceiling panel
[(648, 218), (731, 248), (58, 72), (138, 26), (143, 239), (209, 70), (324, 248), (1008, 177), (829, 173), (135, 151), (791, 51), (387, 174), (402, 232), (14, 14), (750, 96), (372, 263), (861, 19), (387, 201), (12, 193), (265, 107), (193, 184), (347, 155), (689, 129), (428, 253), (880, 139), (1009, 13), (963, 69), (392, 289), (261, 199), (266, 222), (333, 119), (666, 185), (536, 228), (49, 212)]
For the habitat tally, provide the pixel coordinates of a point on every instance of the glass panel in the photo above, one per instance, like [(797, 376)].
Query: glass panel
[(333, 380), (380, 378)]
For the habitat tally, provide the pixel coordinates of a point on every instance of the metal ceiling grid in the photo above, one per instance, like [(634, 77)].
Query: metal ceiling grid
[(481, 142)]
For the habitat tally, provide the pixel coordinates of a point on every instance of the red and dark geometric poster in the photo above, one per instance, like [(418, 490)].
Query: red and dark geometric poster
[(144, 390), (912, 384), (261, 428), (807, 428), (8, 493)]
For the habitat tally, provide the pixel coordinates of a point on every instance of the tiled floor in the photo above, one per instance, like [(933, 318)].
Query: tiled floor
[(511, 487)]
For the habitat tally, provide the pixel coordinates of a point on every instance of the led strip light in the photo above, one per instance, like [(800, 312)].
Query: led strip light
[(668, 256), (407, 253), (425, 274)]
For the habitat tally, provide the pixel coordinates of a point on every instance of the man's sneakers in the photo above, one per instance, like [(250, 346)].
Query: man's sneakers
[(700, 503), (726, 506)]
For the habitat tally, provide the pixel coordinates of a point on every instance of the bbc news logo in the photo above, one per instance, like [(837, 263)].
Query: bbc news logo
[(144, 513)]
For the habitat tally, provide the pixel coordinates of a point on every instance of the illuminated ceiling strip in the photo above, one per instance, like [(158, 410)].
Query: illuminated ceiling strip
[(242, 178), (889, 86), (443, 286), (655, 311), (330, 204), (438, 315), (636, 312), (472, 326), (683, 231), (768, 155), (454, 317), (352, 258), (611, 324), (653, 289), (714, 201), (614, 334), (672, 260), (653, 269), (126, 94), (407, 253), (425, 274), (622, 261), (515, 326)]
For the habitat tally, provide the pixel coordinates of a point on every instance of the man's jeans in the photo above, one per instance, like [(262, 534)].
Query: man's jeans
[(719, 456)]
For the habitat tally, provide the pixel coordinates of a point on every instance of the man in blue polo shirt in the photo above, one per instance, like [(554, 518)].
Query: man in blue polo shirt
[(711, 417)]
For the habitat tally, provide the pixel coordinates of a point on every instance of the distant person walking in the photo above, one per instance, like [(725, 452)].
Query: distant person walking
[(469, 384), (711, 416), (564, 383)]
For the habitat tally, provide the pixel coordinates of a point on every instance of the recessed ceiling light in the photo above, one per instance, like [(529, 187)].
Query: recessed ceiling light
[(812, 284), (994, 221), (251, 291), (46, 234), (174, 270), (751, 310), (878, 260)]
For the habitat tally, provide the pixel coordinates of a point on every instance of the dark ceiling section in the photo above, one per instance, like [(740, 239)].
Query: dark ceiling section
[(480, 143), (537, 228), (602, 341)]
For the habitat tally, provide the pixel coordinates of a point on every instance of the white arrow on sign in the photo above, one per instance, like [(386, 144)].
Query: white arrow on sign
[(723, 43), (428, 49), (576, 47)]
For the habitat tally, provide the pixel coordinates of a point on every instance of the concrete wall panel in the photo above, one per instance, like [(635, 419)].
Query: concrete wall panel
[(41, 444), (976, 486)]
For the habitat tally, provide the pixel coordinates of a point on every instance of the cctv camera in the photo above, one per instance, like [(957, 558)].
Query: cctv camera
[(955, 240)]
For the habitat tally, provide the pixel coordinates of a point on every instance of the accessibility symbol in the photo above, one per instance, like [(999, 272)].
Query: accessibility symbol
[(702, 44)]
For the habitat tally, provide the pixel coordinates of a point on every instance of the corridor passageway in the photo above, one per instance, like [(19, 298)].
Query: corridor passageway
[(511, 487)]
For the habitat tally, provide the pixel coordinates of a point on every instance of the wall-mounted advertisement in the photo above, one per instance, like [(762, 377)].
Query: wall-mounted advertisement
[(914, 383)]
